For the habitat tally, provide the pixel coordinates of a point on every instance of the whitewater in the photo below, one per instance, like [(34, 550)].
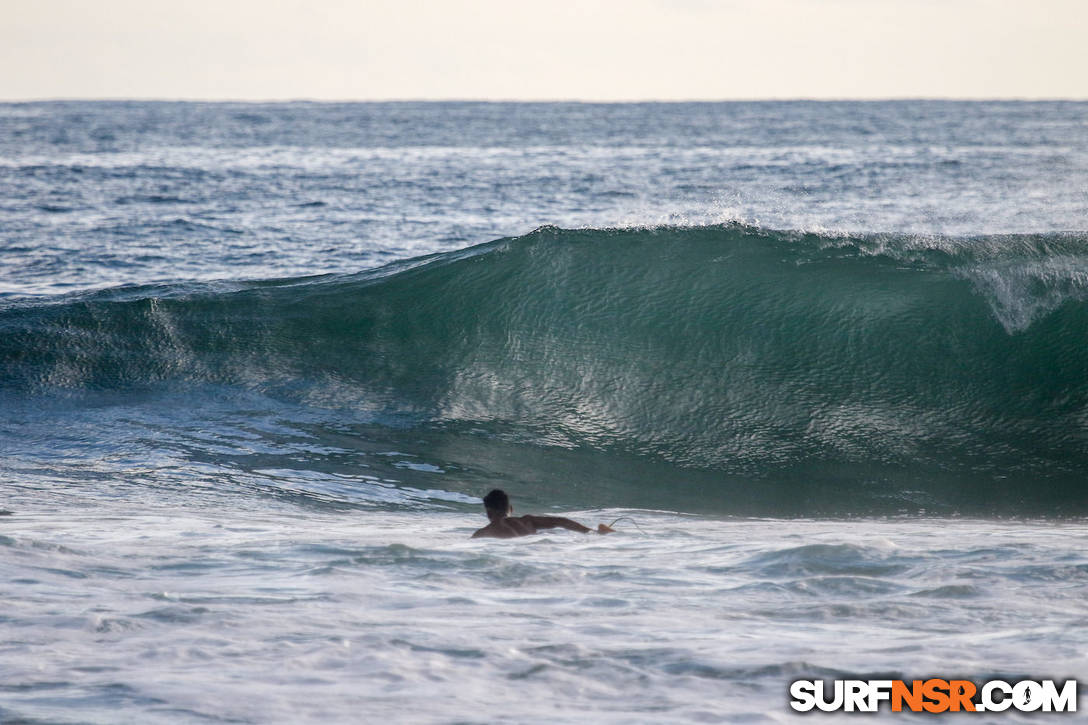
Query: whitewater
[(823, 365)]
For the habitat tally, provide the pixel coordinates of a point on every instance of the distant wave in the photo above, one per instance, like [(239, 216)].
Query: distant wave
[(846, 366)]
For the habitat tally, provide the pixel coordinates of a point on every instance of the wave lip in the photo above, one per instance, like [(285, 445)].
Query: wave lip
[(902, 366)]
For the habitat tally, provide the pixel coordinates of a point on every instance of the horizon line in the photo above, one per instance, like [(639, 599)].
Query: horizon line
[(630, 101)]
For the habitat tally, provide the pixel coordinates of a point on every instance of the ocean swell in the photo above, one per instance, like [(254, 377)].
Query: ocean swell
[(748, 354)]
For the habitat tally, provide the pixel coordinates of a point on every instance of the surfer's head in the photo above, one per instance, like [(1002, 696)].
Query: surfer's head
[(497, 504)]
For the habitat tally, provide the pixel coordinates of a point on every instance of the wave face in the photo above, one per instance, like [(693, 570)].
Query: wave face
[(765, 371)]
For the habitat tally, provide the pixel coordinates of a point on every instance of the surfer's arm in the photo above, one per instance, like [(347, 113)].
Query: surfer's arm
[(557, 522)]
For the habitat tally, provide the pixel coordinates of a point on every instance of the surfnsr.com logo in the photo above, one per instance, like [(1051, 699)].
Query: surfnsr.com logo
[(933, 695)]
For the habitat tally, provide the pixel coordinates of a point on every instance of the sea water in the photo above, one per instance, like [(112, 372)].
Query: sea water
[(823, 365)]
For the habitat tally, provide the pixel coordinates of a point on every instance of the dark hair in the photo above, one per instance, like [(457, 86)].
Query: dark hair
[(497, 500)]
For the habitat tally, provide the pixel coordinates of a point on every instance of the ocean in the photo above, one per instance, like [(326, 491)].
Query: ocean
[(824, 364)]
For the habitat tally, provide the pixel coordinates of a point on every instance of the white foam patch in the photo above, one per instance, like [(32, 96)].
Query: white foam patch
[(1021, 293), (381, 616)]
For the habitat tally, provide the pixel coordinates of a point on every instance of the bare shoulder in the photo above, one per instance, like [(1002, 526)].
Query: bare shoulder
[(488, 532), (508, 528), (523, 525)]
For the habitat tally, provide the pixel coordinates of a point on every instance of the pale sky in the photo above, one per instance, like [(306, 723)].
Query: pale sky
[(543, 49)]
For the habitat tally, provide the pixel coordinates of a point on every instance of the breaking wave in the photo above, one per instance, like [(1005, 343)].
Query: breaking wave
[(791, 367)]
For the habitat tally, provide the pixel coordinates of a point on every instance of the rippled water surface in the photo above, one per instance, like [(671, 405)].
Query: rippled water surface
[(288, 616), (99, 194)]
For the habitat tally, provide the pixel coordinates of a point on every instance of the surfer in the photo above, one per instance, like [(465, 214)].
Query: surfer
[(504, 526)]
